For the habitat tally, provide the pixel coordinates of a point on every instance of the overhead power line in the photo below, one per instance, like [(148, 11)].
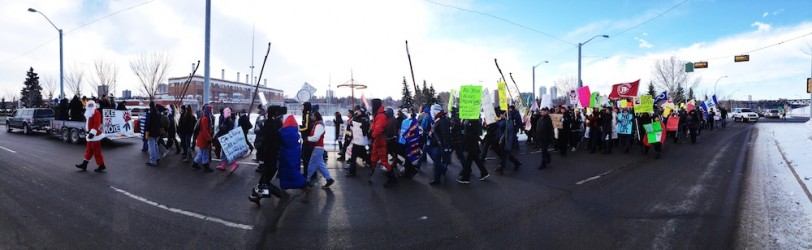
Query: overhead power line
[(74, 29), (503, 20)]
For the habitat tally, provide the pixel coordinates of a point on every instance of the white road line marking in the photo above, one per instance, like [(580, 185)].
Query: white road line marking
[(183, 212), (594, 177), (9, 150)]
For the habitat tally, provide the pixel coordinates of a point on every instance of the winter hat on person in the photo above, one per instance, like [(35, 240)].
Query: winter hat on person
[(316, 108), (436, 109), (376, 105), (426, 110), (390, 113)]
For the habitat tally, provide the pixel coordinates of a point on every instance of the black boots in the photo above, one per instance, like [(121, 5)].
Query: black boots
[(82, 166), (100, 168), (207, 169)]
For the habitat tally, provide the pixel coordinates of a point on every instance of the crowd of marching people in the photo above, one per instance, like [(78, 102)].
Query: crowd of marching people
[(397, 142)]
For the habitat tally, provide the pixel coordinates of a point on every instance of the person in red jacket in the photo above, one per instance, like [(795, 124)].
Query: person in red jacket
[(379, 142), (94, 136), (203, 140)]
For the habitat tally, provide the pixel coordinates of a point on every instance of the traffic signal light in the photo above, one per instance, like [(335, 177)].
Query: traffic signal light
[(701, 65), (741, 58), (809, 85)]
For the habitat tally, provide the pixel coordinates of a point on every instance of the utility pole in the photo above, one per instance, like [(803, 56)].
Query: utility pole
[(206, 82)]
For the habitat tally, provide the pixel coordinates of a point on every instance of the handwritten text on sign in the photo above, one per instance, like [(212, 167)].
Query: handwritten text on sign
[(233, 144), (470, 102), (117, 122)]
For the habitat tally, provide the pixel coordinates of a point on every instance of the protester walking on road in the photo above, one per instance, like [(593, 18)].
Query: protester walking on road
[(290, 155), (544, 136), (268, 156), (142, 125), (360, 128), (186, 127), (225, 127), (317, 163), (693, 122), (410, 139), (439, 142), (625, 122), (153, 134), (471, 138), (379, 143), (94, 136), (203, 137), (245, 125)]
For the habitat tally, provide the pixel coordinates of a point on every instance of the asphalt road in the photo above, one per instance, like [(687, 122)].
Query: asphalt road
[(686, 200)]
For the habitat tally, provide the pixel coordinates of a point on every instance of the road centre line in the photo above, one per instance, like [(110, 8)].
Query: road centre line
[(183, 212), (9, 150), (594, 177)]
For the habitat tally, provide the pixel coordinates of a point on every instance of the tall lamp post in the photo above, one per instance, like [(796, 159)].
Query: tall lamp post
[(61, 71), (579, 56), (534, 78), (717, 82)]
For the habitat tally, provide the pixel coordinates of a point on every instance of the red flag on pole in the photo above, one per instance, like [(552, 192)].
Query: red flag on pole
[(621, 90)]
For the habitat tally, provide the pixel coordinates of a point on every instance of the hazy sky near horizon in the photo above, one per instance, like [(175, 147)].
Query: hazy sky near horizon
[(452, 42)]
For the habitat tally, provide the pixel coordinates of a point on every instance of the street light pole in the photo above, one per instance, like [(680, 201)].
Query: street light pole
[(61, 67), (717, 82), (534, 79), (580, 84)]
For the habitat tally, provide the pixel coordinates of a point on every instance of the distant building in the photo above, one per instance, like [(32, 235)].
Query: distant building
[(223, 90), (127, 94), (103, 90), (749, 98), (554, 92), (163, 89), (542, 91)]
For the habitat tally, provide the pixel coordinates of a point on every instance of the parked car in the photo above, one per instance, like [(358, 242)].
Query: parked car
[(772, 113), (30, 119), (744, 115)]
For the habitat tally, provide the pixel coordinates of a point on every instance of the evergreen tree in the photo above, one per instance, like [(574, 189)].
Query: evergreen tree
[(691, 94), (433, 95), (31, 94), (3, 103), (679, 95), (406, 100), (651, 90), (425, 96)]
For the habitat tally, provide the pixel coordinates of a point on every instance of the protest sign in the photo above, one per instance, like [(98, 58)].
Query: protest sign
[(451, 99), (624, 124), (593, 100), (117, 123), (654, 131), (673, 124), (646, 105), (584, 95), (503, 103), (573, 98), (470, 102), (623, 103), (488, 114), (233, 145), (546, 101), (557, 120)]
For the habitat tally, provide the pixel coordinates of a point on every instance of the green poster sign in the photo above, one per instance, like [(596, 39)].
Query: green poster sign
[(470, 102)]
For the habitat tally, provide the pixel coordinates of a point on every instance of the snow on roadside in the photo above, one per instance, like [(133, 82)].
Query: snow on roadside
[(775, 211)]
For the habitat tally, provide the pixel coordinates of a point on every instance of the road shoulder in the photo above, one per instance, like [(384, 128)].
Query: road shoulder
[(775, 211)]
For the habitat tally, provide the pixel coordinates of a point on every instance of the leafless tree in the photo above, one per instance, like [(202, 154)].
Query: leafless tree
[(670, 73), (74, 79), (48, 87), (151, 70), (106, 73), (565, 84)]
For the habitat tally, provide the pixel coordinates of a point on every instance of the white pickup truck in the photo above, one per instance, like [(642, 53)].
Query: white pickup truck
[(743, 115)]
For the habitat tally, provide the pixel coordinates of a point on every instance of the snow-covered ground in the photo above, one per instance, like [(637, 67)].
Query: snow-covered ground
[(776, 207)]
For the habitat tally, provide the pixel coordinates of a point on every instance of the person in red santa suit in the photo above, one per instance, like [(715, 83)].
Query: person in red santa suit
[(94, 137)]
